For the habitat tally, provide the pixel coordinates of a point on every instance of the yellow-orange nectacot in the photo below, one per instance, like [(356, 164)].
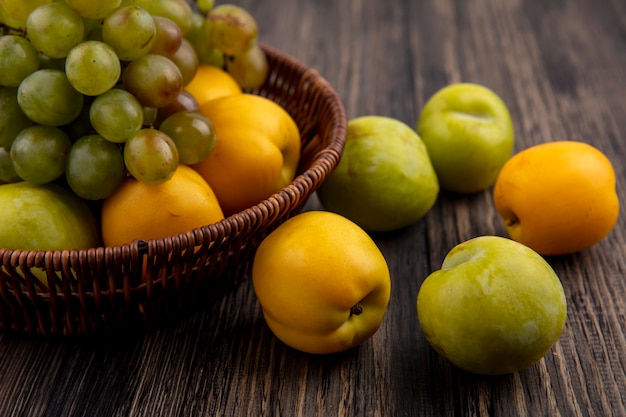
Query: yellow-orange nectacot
[(558, 197)]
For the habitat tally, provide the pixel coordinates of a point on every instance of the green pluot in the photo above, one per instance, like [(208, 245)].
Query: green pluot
[(384, 180), (469, 134), (495, 307), (45, 217)]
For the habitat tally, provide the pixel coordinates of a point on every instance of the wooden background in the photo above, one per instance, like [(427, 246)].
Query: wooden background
[(560, 66)]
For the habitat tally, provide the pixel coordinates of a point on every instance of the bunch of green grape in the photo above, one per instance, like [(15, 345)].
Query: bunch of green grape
[(92, 91)]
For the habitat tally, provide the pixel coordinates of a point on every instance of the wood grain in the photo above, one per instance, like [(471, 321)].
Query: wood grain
[(561, 68)]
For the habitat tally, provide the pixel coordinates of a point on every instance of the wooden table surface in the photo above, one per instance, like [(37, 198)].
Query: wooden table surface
[(561, 68)]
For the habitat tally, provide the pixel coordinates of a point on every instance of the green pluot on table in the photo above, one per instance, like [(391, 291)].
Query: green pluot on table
[(384, 180), (495, 307), (469, 134)]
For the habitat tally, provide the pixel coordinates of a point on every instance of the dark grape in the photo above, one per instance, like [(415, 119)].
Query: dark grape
[(151, 156), (154, 80)]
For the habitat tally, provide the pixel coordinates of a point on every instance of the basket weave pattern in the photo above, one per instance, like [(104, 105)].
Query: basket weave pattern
[(94, 290)]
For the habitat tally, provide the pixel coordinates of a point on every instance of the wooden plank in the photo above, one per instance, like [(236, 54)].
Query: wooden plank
[(561, 68)]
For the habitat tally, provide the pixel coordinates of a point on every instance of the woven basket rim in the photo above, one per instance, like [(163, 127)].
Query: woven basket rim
[(88, 291), (326, 160)]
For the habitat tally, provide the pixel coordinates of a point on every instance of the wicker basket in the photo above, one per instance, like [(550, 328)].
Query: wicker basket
[(149, 282)]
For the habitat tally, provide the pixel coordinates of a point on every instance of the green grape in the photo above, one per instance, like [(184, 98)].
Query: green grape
[(95, 167), (145, 4), (193, 135), (250, 68), (186, 60), (18, 59), (47, 97), (54, 29), (184, 102), (151, 156), (153, 79), (94, 9), (15, 12), (12, 118), (39, 153), (92, 67), (130, 31), (196, 33), (205, 6), (177, 10), (168, 36), (7, 172), (115, 115), (211, 56), (207, 53), (231, 29)]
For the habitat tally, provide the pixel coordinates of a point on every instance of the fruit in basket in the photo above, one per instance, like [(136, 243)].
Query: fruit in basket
[(18, 59), (153, 79), (12, 118), (212, 82), (54, 29), (94, 9), (146, 4), (168, 36), (184, 102), (116, 115), (558, 197), (15, 12), (469, 134), (207, 53), (192, 133), (495, 306), (231, 29), (322, 283), (7, 171), (151, 156), (178, 11), (45, 217), (257, 150), (384, 180), (142, 211), (186, 59), (249, 68), (93, 68), (39, 153), (94, 168), (90, 66), (47, 97), (130, 31), (226, 36)]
